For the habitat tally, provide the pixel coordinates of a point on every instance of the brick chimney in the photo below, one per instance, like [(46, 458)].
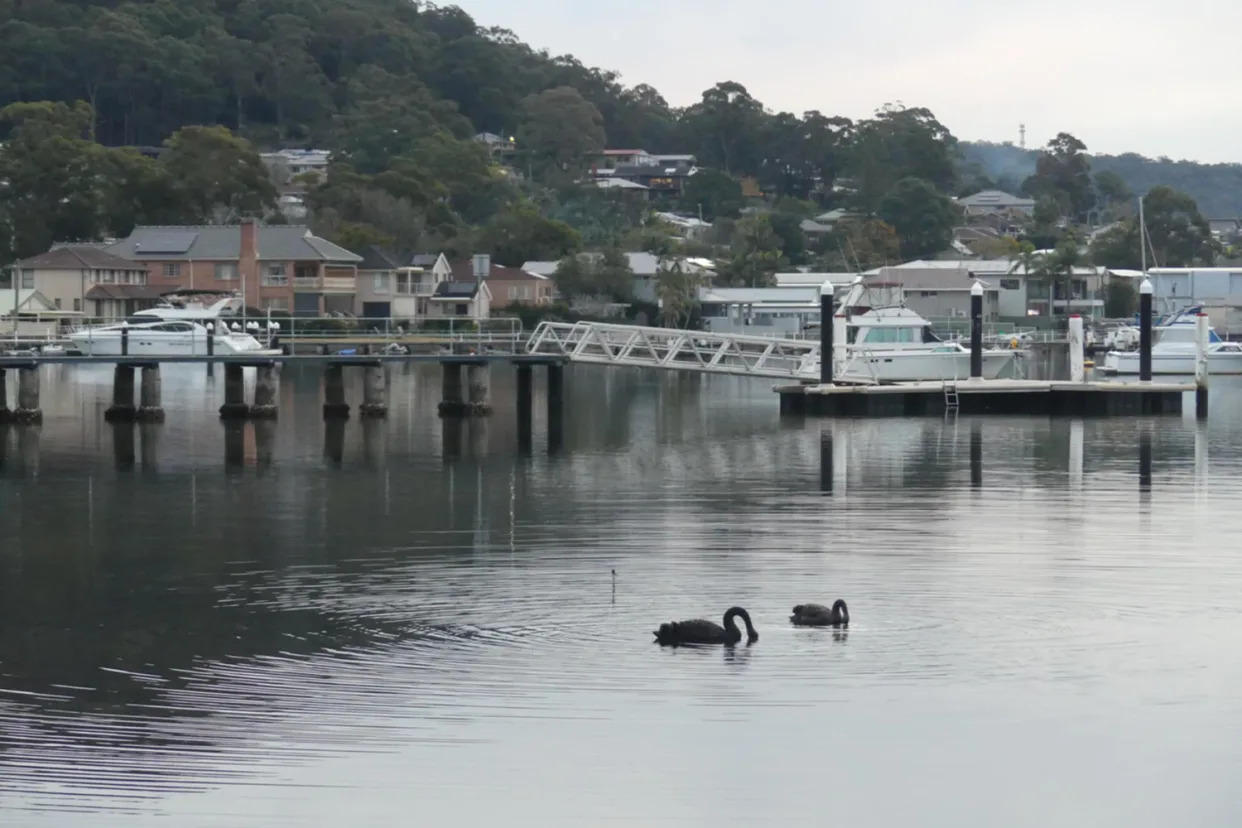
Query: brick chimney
[(248, 261)]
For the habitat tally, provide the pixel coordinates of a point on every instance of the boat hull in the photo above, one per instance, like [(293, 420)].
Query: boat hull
[(1127, 362), (896, 366), (164, 343)]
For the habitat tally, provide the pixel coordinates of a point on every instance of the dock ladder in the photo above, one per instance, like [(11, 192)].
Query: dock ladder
[(950, 394)]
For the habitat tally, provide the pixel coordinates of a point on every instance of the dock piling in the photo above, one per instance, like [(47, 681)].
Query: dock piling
[(211, 348), (150, 393), (5, 414), (122, 409), (1078, 371), (334, 405), (234, 407), (826, 325), (976, 330), (1201, 366), (525, 399), (266, 385), (1145, 331), (976, 455), (452, 396), (374, 392), (478, 389), (556, 408), (28, 410), (124, 338), (825, 461)]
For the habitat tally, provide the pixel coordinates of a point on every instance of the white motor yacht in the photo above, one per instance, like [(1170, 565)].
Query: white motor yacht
[(176, 327), (1173, 350), (887, 342)]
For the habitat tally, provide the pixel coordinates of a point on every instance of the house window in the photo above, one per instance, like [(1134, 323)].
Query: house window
[(1011, 284), (57, 303), (379, 283), (276, 303), (107, 277), (27, 280), (226, 271), (404, 283), (927, 293), (77, 305), (305, 271), (172, 270), (513, 293), (275, 275), (140, 277), (462, 308)]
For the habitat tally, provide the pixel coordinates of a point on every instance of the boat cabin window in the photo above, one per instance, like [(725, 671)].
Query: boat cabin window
[(890, 334)]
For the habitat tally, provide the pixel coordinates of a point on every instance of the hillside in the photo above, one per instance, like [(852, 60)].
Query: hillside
[(1217, 188)]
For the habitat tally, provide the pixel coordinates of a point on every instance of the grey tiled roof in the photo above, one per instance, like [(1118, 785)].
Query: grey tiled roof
[(223, 243), (77, 257), (456, 290), (376, 258)]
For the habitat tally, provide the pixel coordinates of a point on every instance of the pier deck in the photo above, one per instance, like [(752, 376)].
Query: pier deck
[(977, 396)]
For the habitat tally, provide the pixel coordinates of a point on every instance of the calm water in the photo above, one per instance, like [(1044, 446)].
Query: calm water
[(386, 624)]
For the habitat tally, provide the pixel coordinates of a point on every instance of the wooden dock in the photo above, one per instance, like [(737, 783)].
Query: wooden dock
[(979, 396)]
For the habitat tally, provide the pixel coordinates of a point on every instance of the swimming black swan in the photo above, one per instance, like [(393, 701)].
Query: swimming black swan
[(817, 615), (700, 631)]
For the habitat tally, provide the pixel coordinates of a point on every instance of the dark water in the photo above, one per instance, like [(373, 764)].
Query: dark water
[(287, 626)]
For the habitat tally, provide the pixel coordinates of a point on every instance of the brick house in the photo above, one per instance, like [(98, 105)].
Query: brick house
[(276, 267)]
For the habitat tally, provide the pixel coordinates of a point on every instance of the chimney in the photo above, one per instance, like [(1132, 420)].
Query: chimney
[(248, 261)]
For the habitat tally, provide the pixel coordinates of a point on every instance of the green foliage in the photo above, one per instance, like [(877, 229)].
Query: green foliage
[(1177, 233), (217, 175), (896, 144), (1063, 172), (755, 253), (607, 274), (520, 234), (714, 193), (1120, 298), (922, 217), (560, 132)]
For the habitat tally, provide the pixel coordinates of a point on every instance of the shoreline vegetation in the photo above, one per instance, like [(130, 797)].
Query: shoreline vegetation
[(154, 113)]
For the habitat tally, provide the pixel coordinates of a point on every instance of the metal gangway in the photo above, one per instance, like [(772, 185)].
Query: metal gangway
[(742, 355)]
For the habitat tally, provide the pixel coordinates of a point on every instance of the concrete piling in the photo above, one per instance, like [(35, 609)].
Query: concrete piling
[(556, 408), (334, 440), (1077, 364), (478, 389), (976, 455), (28, 410), (150, 392), (234, 441), (122, 409), (452, 393), (334, 405), (374, 392), (234, 407), (122, 445), (976, 330), (1202, 335), (1145, 331), (525, 405), (826, 327), (266, 387)]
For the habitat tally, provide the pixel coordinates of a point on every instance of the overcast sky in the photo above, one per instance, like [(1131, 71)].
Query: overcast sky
[(1156, 78)]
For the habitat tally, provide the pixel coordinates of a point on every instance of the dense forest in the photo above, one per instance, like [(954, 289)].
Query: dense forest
[(397, 90)]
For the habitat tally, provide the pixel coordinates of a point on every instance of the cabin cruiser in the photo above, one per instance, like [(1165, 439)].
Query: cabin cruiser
[(1173, 350), (178, 326), (887, 342)]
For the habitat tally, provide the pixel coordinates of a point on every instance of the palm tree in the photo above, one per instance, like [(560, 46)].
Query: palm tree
[(1032, 265), (1062, 262)]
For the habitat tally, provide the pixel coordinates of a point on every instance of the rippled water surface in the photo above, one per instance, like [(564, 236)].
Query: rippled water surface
[(398, 623)]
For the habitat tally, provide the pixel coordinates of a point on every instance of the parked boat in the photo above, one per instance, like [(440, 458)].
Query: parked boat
[(1173, 350), (179, 326), (888, 342)]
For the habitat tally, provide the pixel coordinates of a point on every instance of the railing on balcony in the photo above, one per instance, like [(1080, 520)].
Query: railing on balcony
[(325, 284)]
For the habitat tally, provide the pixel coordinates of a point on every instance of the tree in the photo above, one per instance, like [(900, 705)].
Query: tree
[(788, 229), (1177, 235), (677, 288), (713, 193), (1120, 298), (218, 175), (560, 131), (1063, 170), (900, 143), (922, 217), (726, 127), (520, 234), (755, 253), (1112, 192)]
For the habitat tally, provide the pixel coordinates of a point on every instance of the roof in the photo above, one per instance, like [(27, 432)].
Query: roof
[(620, 183), (456, 290), (463, 271), (126, 291), (78, 257), (223, 243), (424, 259), (540, 268), (625, 152), (28, 301), (762, 296), (995, 198), (376, 258)]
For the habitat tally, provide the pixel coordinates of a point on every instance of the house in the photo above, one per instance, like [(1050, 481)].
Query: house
[(395, 287), (87, 279), (611, 159), (645, 267), (37, 315), (287, 164), (514, 286), (460, 300), (772, 311), (278, 267), (496, 146), (996, 201), (659, 180)]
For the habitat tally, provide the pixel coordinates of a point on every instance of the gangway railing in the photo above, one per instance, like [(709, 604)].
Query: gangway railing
[(676, 349)]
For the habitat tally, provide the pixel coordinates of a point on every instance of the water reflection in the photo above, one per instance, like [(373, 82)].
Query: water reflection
[(348, 610)]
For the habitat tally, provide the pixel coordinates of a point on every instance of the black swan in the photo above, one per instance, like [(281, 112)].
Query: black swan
[(701, 631), (817, 615)]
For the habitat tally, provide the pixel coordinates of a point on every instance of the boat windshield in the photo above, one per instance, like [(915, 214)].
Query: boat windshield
[(889, 334), (1182, 334)]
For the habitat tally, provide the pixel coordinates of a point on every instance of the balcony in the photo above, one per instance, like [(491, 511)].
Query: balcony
[(324, 284)]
